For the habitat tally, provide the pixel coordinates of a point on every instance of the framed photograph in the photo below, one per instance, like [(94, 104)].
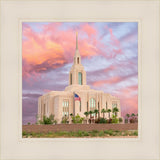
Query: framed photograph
[(80, 78), (89, 89)]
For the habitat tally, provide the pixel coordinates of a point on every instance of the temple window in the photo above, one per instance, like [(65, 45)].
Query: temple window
[(65, 105), (78, 60), (114, 105), (92, 105), (80, 78)]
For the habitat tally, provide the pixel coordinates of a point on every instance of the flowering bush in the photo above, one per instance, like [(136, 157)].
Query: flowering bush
[(133, 119)]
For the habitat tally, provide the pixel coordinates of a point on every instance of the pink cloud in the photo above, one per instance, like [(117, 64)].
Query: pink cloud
[(90, 30), (128, 99), (53, 48), (47, 90), (109, 81)]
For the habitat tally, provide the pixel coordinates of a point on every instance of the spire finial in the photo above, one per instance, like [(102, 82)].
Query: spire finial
[(76, 40)]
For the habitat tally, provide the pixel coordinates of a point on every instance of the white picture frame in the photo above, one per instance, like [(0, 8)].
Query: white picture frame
[(146, 13)]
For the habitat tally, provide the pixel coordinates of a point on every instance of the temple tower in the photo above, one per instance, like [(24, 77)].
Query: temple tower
[(77, 74)]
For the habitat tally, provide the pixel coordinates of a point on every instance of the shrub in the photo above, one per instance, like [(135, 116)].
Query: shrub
[(133, 119), (97, 120), (114, 119), (101, 133), (126, 120), (80, 133), (110, 132), (95, 131), (86, 133), (135, 133), (110, 120), (24, 133), (120, 119), (48, 120), (55, 121), (64, 119), (28, 123), (103, 120), (93, 134), (106, 131), (77, 119)]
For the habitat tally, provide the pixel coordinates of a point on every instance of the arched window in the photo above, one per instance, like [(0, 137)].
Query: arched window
[(92, 105), (114, 105), (65, 105), (78, 60), (80, 78), (71, 78)]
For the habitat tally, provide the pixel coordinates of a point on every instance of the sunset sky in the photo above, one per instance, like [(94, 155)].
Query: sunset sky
[(109, 53)]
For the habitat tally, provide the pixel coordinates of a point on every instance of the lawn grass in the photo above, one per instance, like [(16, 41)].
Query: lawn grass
[(71, 134)]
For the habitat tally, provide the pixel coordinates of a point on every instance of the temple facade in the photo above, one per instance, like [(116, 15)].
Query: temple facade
[(63, 103)]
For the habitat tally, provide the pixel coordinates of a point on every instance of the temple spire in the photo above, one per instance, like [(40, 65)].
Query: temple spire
[(76, 40)]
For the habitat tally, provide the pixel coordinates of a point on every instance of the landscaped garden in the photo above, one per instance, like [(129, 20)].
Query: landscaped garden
[(90, 125), (92, 117)]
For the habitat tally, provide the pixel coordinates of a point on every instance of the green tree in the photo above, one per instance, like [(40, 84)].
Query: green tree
[(90, 112), (127, 118), (96, 112), (109, 111), (115, 111), (103, 111), (71, 114), (132, 115), (127, 115), (86, 114)]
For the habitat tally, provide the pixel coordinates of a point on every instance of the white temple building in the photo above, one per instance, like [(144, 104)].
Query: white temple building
[(61, 103)]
